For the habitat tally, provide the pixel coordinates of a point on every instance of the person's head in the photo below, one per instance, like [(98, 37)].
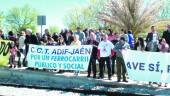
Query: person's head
[(65, 30), (153, 29), (78, 29), (90, 31), (76, 37), (22, 33), (122, 40), (28, 31), (129, 32), (125, 32), (71, 32), (163, 41), (168, 27), (37, 34), (104, 36), (12, 44), (92, 36), (100, 29), (10, 33), (46, 31), (85, 30)]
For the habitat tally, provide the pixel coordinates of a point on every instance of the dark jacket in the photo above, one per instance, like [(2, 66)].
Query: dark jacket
[(31, 39), (166, 35), (149, 37), (95, 49), (69, 40), (2, 36)]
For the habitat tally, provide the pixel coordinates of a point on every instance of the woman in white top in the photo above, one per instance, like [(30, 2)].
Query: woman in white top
[(21, 42), (21, 47), (76, 42), (163, 47)]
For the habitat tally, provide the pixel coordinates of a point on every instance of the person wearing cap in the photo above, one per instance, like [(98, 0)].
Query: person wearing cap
[(120, 64), (29, 39), (105, 52)]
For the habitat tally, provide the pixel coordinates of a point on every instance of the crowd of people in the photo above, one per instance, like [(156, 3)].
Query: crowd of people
[(107, 46)]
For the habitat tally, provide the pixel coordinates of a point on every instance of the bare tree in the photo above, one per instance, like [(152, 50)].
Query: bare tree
[(136, 15)]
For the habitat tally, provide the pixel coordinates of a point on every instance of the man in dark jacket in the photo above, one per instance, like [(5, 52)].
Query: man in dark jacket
[(30, 39), (152, 40), (92, 41)]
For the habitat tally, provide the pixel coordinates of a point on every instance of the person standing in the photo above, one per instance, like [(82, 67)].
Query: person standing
[(166, 35), (121, 69), (105, 50), (21, 46), (29, 39), (163, 47), (81, 35), (98, 34), (13, 53), (140, 45), (125, 35), (76, 42), (152, 40), (131, 39), (93, 58), (112, 38), (69, 37)]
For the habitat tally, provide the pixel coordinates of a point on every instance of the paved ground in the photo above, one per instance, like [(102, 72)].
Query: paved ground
[(14, 91), (104, 87)]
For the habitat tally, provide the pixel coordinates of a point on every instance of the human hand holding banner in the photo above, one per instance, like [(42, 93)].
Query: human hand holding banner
[(59, 57)]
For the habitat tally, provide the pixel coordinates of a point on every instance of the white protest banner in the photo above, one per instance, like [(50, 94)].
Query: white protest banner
[(59, 57), (147, 66)]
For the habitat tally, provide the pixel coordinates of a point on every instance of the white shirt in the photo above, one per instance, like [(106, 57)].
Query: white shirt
[(21, 42), (105, 48), (154, 37)]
